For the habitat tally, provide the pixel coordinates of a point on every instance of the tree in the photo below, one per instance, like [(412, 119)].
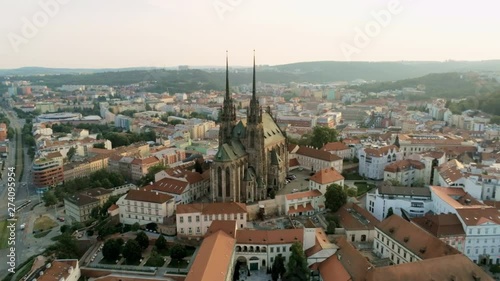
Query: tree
[(49, 198), (322, 135), (390, 212), (278, 270), (335, 197), (132, 251), (142, 239), (161, 243), (178, 252), (150, 176), (94, 213), (197, 167), (111, 250), (297, 269), (65, 248), (352, 192), (331, 227), (71, 153), (136, 226)]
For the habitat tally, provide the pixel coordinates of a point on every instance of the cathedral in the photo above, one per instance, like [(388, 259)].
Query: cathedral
[(252, 158)]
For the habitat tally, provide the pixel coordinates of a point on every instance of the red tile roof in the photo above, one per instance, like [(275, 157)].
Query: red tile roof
[(169, 185), (379, 152), (309, 193), (442, 225), (269, 237), (318, 154), (415, 239), (147, 196), (300, 208), (214, 258), (327, 176), (212, 208), (404, 165), (335, 146)]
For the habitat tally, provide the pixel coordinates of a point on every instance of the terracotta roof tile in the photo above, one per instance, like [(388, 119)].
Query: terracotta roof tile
[(147, 196), (212, 208), (335, 146), (309, 193), (318, 154), (404, 165), (415, 239), (327, 176), (267, 237), (455, 267), (442, 225)]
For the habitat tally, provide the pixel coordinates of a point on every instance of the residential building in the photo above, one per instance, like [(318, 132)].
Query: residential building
[(305, 203), (195, 219), (446, 227), (314, 159), (480, 222), (404, 242), (47, 171), (143, 207), (74, 170), (79, 206), (405, 172), (372, 161), (449, 174), (140, 166), (416, 201), (431, 160), (324, 178), (338, 148), (358, 223), (61, 269)]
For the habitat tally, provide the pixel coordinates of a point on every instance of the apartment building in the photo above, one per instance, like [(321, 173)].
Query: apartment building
[(143, 207), (416, 143), (140, 166), (339, 149), (358, 223), (305, 203), (416, 201), (372, 161), (480, 222), (431, 160), (405, 172), (79, 206), (47, 171), (314, 159), (324, 178), (404, 242), (446, 227), (193, 220), (81, 169)]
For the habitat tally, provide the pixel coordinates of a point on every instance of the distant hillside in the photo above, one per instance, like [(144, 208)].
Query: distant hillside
[(315, 72), (444, 85)]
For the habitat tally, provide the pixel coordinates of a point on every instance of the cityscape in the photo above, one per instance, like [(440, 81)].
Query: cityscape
[(243, 161)]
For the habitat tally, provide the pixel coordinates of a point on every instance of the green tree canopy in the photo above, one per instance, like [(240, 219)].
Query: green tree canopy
[(49, 198), (132, 251), (111, 250), (178, 252), (390, 212), (297, 269), (278, 270), (161, 243), (322, 135), (335, 197), (142, 239)]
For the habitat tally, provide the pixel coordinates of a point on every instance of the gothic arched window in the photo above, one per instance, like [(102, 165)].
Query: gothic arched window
[(219, 181), (228, 183)]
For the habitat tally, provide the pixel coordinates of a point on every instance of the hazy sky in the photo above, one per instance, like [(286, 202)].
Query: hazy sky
[(126, 33)]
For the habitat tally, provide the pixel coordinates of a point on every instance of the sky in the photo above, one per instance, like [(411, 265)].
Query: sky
[(164, 33)]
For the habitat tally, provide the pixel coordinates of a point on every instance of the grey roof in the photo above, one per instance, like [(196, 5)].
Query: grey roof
[(272, 132), (405, 191)]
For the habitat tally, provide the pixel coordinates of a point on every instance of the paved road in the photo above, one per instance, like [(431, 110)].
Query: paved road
[(24, 191)]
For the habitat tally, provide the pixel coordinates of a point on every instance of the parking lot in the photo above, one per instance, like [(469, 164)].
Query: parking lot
[(300, 183)]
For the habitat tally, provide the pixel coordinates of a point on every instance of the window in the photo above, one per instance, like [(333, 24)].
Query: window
[(241, 216), (272, 249), (277, 249), (198, 229), (189, 218), (197, 218), (181, 219), (190, 230), (284, 249), (205, 217), (182, 230)]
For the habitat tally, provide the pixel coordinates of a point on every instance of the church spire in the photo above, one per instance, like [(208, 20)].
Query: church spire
[(254, 95), (228, 95)]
